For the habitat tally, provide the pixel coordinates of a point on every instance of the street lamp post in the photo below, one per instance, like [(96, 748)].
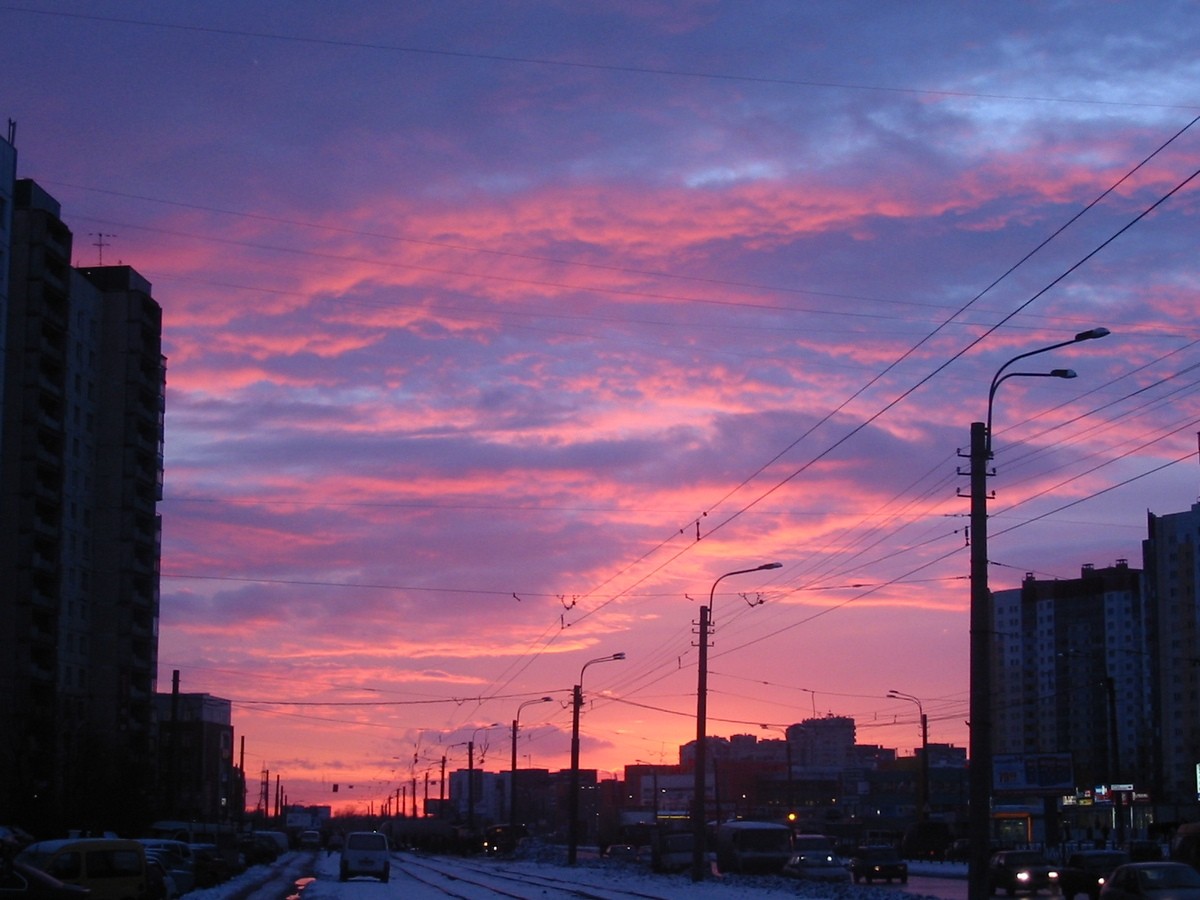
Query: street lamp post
[(471, 777), (698, 816), (923, 787), (512, 778), (573, 798), (979, 825)]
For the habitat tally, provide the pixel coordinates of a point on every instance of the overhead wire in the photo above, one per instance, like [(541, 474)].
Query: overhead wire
[(744, 508)]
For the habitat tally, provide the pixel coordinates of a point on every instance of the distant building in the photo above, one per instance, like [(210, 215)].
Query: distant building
[(200, 781), (827, 742), (81, 430)]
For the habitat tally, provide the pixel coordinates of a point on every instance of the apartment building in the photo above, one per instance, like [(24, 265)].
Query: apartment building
[(81, 431), (1170, 557)]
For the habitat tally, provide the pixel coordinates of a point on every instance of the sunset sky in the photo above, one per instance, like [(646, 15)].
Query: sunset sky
[(496, 332)]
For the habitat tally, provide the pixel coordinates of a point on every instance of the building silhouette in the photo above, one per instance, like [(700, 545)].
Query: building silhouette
[(82, 390), (199, 776), (1172, 569)]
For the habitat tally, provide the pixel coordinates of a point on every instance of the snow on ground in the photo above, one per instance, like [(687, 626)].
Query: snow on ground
[(264, 882)]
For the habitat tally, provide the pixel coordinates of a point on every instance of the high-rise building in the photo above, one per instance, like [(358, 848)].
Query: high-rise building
[(1171, 557), (1071, 673), (81, 432)]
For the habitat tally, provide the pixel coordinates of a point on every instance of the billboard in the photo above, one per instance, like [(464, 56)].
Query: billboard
[(1032, 773)]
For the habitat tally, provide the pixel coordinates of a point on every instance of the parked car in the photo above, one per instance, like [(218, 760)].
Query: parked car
[(1152, 881), (365, 853), (24, 882), (279, 838), (178, 859), (880, 863), (212, 868), (258, 849), (159, 885), (1087, 870), (1020, 870)]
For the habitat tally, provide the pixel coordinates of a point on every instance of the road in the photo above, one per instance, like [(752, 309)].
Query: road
[(313, 876), (931, 886)]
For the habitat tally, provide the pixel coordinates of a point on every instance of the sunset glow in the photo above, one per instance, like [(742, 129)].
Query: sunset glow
[(495, 333)]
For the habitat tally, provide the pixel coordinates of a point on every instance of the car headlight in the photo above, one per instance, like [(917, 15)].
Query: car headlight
[(1022, 876)]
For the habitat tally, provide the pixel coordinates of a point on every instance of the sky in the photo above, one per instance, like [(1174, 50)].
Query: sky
[(498, 332)]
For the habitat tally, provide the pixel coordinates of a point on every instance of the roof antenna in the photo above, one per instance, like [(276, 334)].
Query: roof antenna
[(100, 243)]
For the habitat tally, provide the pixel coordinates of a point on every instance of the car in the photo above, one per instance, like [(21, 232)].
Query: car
[(1020, 870), (280, 839), (1152, 881), (1087, 870), (503, 840), (878, 863), (817, 865), (23, 882), (159, 885), (365, 853), (211, 866), (178, 859), (310, 840), (258, 849)]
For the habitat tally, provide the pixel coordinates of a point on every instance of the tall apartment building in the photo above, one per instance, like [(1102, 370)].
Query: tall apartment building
[(81, 432), (8, 177), (1172, 564), (1071, 673)]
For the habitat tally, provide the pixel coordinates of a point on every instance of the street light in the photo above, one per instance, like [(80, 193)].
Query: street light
[(512, 787), (698, 817), (923, 791), (573, 799), (979, 825)]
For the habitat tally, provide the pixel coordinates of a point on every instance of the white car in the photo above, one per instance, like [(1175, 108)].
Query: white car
[(365, 853)]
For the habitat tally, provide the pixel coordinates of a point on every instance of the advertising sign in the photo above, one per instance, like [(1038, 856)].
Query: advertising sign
[(1033, 773)]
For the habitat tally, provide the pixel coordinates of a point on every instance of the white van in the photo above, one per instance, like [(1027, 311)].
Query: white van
[(365, 853)]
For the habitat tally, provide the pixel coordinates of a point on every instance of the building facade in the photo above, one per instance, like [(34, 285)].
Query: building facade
[(1172, 566), (81, 431), (1071, 673), (199, 778)]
